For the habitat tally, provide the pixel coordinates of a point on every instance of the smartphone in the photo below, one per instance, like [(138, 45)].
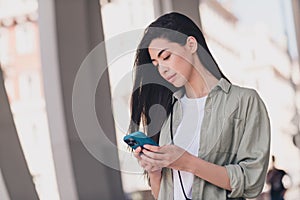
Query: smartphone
[(138, 139)]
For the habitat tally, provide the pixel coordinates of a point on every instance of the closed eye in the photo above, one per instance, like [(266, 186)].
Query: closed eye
[(155, 63), (166, 58)]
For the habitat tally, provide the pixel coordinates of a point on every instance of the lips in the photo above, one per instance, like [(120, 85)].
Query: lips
[(169, 78)]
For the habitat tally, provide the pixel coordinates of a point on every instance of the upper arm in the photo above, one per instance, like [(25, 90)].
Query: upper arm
[(247, 177)]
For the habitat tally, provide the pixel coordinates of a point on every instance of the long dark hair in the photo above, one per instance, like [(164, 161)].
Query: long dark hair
[(149, 87)]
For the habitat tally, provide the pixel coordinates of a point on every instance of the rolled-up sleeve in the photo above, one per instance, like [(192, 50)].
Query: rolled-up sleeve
[(247, 174)]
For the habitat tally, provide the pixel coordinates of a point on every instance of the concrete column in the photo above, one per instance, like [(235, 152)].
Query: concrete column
[(3, 189), (76, 28), (187, 7), (296, 12), (54, 101), (15, 172)]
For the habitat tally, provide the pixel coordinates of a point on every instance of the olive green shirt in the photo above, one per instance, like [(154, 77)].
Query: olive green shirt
[(235, 133)]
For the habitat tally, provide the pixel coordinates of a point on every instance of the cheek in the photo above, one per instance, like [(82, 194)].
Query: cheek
[(183, 67)]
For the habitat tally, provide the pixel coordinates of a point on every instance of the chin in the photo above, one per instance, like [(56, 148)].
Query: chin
[(178, 84)]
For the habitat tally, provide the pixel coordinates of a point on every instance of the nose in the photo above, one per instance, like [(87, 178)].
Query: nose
[(162, 69)]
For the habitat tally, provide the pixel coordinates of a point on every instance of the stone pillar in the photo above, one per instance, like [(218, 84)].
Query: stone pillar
[(187, 7), (296, 12), (14, 169), (69, 31)]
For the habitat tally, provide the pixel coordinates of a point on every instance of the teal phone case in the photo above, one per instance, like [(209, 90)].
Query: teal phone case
[(138, 139)]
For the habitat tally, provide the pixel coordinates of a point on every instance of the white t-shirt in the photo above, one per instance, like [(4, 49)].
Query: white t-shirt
[(187, 136)]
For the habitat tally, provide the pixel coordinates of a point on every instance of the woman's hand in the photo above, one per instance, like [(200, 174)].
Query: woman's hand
[(155, 170), (174, 157), (170, 156)]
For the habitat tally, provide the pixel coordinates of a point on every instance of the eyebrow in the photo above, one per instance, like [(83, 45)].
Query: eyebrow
[(159, 53)]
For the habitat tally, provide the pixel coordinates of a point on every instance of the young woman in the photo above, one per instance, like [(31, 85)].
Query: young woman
[(214, 137)]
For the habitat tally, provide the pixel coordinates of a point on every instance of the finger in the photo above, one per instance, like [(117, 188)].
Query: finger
[(137, 155), (151, 147), (155, 169), (153, 155), (150, 161), (143, 165), (137, 152), (148, 168)]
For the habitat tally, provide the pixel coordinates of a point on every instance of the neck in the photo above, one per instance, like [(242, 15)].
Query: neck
[(200, 82)]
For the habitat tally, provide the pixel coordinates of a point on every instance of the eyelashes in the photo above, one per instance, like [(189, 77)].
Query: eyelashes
[(166, 58)]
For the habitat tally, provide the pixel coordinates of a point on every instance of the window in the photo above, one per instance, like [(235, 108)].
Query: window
[(4, 47), (29, 85), (25, 39)]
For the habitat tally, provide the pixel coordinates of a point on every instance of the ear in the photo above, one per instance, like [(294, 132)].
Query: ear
[(192, 44)]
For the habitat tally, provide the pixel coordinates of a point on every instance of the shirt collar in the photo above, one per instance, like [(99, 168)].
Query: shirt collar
[(222, 84)]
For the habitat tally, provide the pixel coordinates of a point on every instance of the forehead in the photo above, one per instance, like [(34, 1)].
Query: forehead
[(159, 44)]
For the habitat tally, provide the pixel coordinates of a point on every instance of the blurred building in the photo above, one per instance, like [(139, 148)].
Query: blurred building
[(51, 59), (249, 56), (20, 61)]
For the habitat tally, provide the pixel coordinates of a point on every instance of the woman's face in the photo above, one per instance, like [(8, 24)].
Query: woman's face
[(174, 62)]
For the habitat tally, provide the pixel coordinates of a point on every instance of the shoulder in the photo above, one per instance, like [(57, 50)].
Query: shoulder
[(243, 93), (247, 98), (243, 98)]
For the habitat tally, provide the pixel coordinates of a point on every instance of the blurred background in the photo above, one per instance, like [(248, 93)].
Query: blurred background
[(42, 45)]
